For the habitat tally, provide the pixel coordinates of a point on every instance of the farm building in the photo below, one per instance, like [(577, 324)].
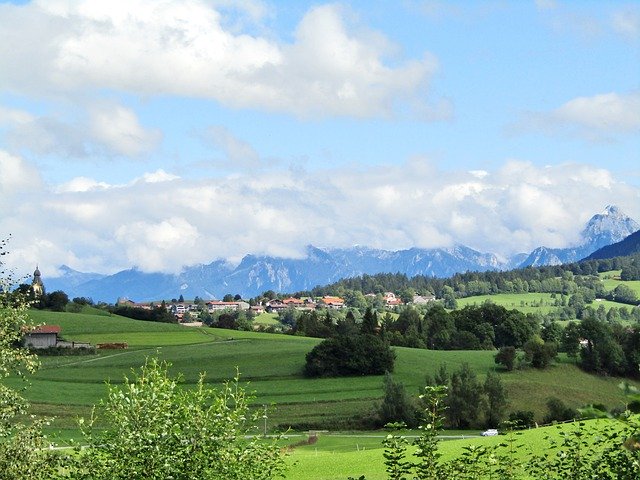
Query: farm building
[(44, 336)]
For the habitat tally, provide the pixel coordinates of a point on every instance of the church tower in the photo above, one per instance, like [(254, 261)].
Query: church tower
[(36, 285)]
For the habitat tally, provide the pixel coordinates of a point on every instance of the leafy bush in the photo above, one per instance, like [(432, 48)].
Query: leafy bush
[(158, 431), (344, 355)]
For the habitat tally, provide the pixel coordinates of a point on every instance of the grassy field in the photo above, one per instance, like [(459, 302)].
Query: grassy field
[(525, 302), (336, 456), (533, 302), (67, 387), (266, 319), (611, 280)]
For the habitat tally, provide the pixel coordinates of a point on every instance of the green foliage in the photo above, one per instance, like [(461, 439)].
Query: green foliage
[(506, 356), (427, 465), (465, 398), (496, 403), (369, 325), (349, 355), (21, 455), (157, 314), (522, 419), (539, 353), (158, 431), (557, 411), (396, 405)]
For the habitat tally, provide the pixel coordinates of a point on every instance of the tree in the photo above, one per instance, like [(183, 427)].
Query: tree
[(369, 323), (540, 353), (496, 400), (465, 399), (570, 342), (344, 355), (347, 325), (439, 327), (227, 298), (448, 298), (56, 301), (557, 411), (396, 405), (506, 356), (156, 430)]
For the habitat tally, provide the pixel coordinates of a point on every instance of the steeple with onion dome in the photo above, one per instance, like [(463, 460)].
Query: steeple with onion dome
[(36, 285)]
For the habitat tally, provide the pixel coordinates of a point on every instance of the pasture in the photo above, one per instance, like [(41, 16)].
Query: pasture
[(343, 455), (271, 366), (611, 280), (542, 303)]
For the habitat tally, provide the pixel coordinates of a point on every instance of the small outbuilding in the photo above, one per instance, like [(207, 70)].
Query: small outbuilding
[(44, 336)]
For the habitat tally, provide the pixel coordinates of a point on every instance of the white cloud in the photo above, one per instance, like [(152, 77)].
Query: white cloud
[(157, 177), (332, 67), (148, 245), (238, 153), (106, 128), (81, 184), (12, 116), (117, 128), (627, 23), (17, 175), (596, 118), (605, 112), (161, 226)]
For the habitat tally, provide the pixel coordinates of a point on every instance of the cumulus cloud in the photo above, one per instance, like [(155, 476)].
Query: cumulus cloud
[(596, 118), (105, 128), (237, 152), (17, 179), (117, 128), (333, 66), (93, 227)]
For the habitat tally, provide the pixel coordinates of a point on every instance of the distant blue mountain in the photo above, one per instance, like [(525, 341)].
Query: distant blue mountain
[(257, 274), (606, 228)]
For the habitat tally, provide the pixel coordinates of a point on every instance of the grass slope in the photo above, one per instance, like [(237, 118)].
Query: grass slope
[(67, 387), (341, 456), (535, 302)]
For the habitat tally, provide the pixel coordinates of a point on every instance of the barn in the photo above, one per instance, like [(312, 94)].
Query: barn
[(44, 336)]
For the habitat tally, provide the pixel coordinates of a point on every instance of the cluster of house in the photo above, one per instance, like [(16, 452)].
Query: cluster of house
[(183, 310)]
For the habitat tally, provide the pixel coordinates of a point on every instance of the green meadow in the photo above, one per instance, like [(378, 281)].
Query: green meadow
[(611, 280), (535, 302), (271, 367), (342, 455)]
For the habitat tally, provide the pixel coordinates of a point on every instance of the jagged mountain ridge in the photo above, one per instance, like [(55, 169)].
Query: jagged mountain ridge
[(610, 226), (256, 274)]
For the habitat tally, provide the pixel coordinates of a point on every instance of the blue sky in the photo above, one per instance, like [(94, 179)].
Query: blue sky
[(160, 134)]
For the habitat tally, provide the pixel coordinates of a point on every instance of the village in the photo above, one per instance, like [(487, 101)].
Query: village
[(186, 311)]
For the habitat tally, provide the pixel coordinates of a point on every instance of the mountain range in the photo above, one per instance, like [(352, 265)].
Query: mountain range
[(256, 274)]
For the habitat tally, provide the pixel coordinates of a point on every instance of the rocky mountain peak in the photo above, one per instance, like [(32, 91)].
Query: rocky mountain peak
[(611, 226)]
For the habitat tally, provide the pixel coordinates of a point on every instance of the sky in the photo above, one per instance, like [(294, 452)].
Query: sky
[(157, 134)]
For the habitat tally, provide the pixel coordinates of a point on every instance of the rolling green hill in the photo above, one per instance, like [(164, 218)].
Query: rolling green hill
[(67, 387)]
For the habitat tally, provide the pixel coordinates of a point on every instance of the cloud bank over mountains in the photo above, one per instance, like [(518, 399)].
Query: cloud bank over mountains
[(162, 222)]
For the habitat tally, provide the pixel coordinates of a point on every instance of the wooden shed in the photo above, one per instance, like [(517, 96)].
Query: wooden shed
[(44, 336)]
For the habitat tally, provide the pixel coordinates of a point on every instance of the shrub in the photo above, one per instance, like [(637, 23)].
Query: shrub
[(522, 419), (158, 431), (349, 355)]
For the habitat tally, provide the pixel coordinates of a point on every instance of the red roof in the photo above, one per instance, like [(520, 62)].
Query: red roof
[(46, 329)]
